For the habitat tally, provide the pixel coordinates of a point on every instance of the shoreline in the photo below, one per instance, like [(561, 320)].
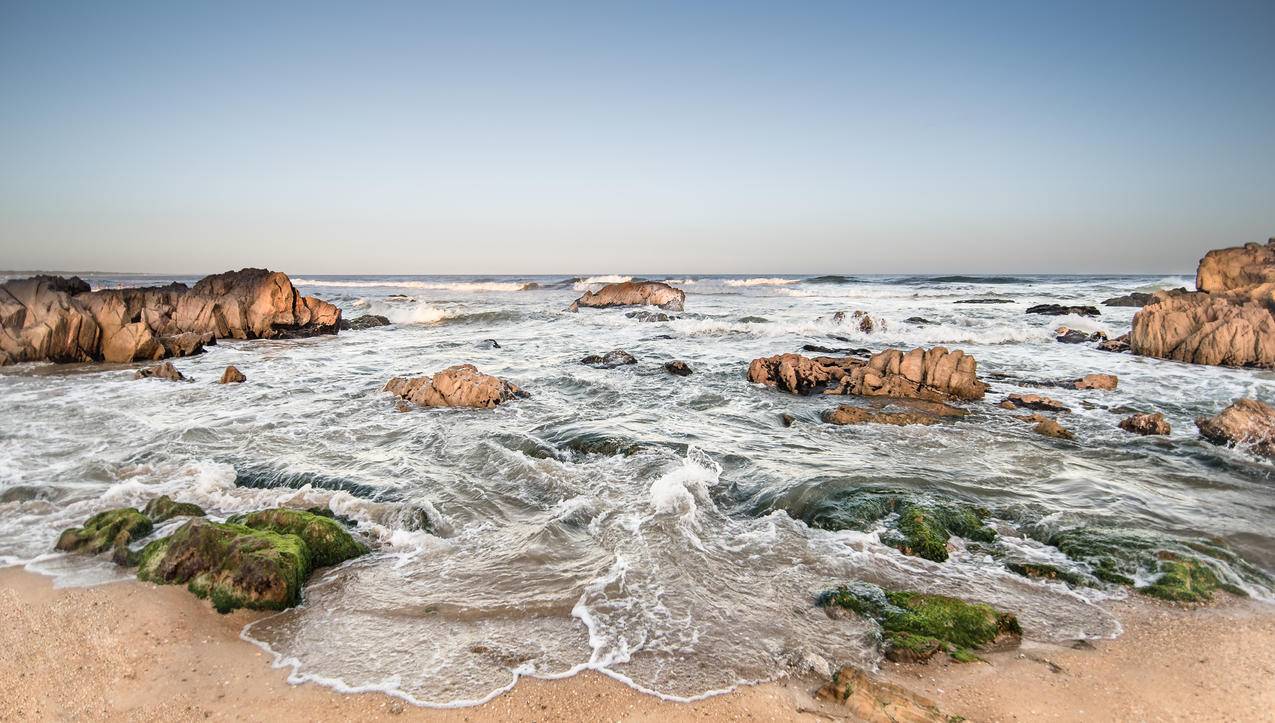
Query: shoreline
[(136, 651)]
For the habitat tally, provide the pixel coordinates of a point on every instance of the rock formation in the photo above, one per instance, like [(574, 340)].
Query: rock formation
[(633, 293), (792, 373), (1247, 422), (459, 386), (1146, 424), (1140, 298), (935, 374), (848, 414), (50, 318), (1228, 322)]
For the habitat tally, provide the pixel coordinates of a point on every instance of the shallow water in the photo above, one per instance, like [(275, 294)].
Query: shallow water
[(626, 520)]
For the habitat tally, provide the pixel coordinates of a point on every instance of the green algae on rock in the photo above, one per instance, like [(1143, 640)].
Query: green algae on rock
[(233, 565), (327, 540), (1046, 571), (164, 508), (1186, 580), (915, 626), (105, 530)]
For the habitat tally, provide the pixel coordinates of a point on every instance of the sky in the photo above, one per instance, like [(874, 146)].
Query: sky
[(634, 137)]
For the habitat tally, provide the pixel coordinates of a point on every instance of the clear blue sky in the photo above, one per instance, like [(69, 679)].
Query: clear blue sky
[(537, 137)]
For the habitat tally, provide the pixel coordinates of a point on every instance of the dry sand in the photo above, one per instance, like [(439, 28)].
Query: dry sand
[(134, 651)]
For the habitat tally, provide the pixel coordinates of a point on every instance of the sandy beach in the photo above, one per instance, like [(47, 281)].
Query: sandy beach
[(134, 651)]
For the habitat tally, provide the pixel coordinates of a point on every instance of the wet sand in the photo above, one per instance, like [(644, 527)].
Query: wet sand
[(134, 651)]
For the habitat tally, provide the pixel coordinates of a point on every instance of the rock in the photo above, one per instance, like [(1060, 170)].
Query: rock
[(873, 700), (915, 626), (457, 386), (46, 318), (163, 508), (610, 360), (1228, 322), (1139, 298), (232, 375), (233, 565), (650, 317), (1037, 401), (791, 373), (918, 320), (101, 532), (1118, 344), (753, 320), (489, 344), (328, 541), (829, 350), (838, 317), (678, 368), (866, 323), (1247, 422), (1184, 580), (787, 419), (846, 414), (1060, 310), (633, 293), (165, 370), (984, 301), (1006, 404), (366, 321), (1051, 428), (1146, 424), (1105, 382), (935, 374), (1072, 336)]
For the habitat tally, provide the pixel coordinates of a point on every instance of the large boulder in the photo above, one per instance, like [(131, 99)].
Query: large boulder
[(1228, 322), (935, 374), (49, 318), (328, 541), (1247, 422), (633, 293), (458, 386)]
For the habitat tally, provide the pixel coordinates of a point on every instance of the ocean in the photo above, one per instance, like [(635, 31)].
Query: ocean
[(655, 528)]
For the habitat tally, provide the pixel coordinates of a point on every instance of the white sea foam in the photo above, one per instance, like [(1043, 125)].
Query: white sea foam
[(772, 281), (462, 286)]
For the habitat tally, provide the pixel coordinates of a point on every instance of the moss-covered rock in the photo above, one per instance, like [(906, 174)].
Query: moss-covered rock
[(105, 530), (164, 508), (328, 541), (915, 625), (1186, 580), (233, 565), (924, 530), (1045, 571)]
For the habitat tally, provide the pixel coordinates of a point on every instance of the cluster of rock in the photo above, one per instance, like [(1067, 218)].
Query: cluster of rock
[(632, 293), (1228, 321), (51, 318), (457, 386)]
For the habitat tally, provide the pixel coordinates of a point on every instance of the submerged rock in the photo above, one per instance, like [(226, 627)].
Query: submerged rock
[(489, 344), (232, 375), (1045, 571), (1051, 428), (610, 360), (458, 386), (233, 565), (327, 540), (650, 317), (1145, 424), (873, 700), (1247, 422), (678, 367), (47, 318), (916, 412), (1183, 581), (633, 293), (101, 532), (164, 508), (366, 321), (1229, 322), (983, 301), (165, 370), (916, 626), (1060, 310)]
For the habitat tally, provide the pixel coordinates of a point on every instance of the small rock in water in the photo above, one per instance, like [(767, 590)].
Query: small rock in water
[(787, 419), (232, 376), (678, 367), (488, 344), (1105, 382), (1146, 424), (1245, 422), (984, 301), (1037, 401), (1051, 428), (165, 370), (610, 360), (366, 321), (458, 386), (1060, 310), (650, 317)]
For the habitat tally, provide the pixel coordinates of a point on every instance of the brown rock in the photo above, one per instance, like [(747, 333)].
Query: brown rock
[(1247, 422), (1236, 269), (847, 414), (678, 368), (874, 700), (1037, 401), (610, 360), (165, 370), (935, 374), (792, 373), (633, 293), (232, 376), (1146, 424), (1118, 344), (1051, 428), (1105, 382), (47, 318), (1006, 404), (458, 386)]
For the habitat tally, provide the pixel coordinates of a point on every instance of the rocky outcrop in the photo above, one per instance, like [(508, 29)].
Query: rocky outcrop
[(232, 375), (458, 386), (1140, 298), (677, 367), (1060, 310), (1146, 424), (366, 321), (610, 360), (1228, 322), (1247, 423), (793, 373), (165, 370), (633, 293), (930, 374), (46, 318)]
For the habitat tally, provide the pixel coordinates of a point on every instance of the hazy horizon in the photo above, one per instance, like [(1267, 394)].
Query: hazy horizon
[(497, 139)]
